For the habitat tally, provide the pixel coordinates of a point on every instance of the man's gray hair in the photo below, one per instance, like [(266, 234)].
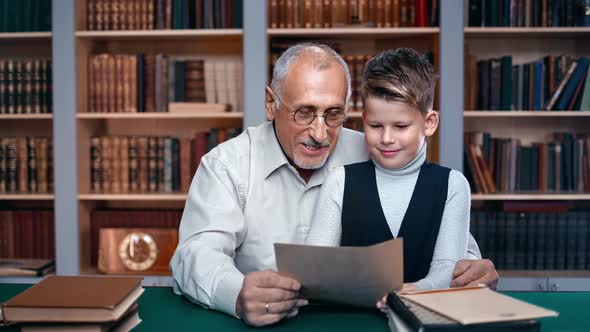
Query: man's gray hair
[(292, 53)]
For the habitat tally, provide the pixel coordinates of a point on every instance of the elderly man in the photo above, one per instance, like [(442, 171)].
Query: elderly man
[(261, 188)]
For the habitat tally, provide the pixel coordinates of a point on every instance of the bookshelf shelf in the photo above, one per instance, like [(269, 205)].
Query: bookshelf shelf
[(360, 32), (530, 197), (148, 280), (544, 273), (132, 197), (519, 114), (538, 33), (26, 116), (157, 115), (24, 35), (26, 197), (157, 34)]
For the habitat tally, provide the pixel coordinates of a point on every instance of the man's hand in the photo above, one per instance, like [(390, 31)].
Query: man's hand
[(470, 272), (266, 298)]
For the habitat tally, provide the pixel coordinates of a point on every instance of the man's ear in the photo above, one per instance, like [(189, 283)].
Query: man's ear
[(431, 123), (269, 104)]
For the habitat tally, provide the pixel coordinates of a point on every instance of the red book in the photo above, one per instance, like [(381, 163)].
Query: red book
[(421, 13)]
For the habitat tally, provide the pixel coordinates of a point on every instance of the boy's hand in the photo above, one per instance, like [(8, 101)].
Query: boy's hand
[(470, 272), (382, 304)]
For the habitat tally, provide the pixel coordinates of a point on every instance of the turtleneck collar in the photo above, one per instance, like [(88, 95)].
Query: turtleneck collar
[(411, 167)]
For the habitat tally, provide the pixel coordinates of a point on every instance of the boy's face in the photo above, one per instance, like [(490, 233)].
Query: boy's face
[(395, 131)]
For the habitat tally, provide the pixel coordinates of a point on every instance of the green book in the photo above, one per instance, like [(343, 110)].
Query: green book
[(585, 106)]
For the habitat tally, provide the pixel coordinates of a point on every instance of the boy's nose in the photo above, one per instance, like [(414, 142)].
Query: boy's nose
[(388, 137)]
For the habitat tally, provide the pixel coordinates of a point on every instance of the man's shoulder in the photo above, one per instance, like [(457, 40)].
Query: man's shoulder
[(233, 151), (351, 147)]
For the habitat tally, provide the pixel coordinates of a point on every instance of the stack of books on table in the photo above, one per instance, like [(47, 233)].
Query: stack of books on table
[(76, 303)]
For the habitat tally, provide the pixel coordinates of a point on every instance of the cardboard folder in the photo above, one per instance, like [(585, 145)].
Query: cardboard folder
[(358, 276), (473, 305)]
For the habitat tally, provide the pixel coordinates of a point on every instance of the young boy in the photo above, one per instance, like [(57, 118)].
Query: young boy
[(398, 193)]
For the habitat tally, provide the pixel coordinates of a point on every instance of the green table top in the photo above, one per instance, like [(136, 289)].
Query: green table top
[(161, 310)]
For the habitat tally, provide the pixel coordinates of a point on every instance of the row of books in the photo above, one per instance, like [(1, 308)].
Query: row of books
[(123, 218), (164, 14), (533, 240), (120, 164), (27, 234), (25, 15), (26, 165), (505, 165), (150, 82), (341, 13), (553, 83), (25, 86), (527, 13)]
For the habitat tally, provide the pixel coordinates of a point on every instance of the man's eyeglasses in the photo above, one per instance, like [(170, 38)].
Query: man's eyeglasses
[(305, 115)]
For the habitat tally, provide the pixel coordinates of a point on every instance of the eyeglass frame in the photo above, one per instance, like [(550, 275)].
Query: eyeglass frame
[(294, 112)]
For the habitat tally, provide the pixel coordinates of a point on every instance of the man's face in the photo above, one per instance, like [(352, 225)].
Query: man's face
[(304, 86)]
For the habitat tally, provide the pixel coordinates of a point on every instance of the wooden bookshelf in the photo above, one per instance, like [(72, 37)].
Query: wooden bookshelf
[(360, 32), (159, 116), (26, 116), (527, 114), (133, 197), (29, 36), (531, 197), (160, 34), (26, 197), (526, 33)]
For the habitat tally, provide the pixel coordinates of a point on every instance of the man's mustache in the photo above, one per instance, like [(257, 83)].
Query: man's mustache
[(313, 144)]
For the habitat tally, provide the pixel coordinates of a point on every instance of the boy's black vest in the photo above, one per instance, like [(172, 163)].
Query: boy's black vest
[(364, 224)]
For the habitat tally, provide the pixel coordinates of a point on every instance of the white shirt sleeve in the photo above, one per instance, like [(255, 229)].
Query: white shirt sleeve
[(326, 224), (211, 229), (451, 243)]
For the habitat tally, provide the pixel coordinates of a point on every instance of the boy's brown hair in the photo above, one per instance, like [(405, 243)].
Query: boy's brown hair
[(402, 75)]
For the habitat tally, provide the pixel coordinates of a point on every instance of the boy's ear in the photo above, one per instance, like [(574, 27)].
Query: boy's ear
[(269, 104), (431, 123)]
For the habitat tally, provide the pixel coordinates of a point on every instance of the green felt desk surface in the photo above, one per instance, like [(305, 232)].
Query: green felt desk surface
[(161, 310)]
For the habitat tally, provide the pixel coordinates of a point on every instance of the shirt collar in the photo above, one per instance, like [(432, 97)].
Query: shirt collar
[(274, 157)]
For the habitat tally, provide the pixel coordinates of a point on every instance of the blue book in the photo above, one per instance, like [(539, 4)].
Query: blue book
[(538, 86), (572, 84)]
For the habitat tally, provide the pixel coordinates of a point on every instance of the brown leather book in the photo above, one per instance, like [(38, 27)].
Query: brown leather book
[(90, 14), (149, 80), (185, 164), (274, 14), (307, 14), (60, 299), (23, 179), (106, 169), (152, 163), (318, 14), (2, 168), (120, 84), (127, 323), (133, 165), (124, 166), (142, 153), (95, 164), (387, 9), (395, 14), (115, 164), (380, 17), (26, 266)]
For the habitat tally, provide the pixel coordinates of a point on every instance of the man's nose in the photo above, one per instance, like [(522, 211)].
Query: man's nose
[(319, 130)]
